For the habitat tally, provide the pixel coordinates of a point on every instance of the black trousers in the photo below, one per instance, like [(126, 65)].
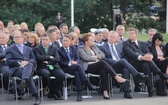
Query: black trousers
[(79, 74), (53, 85), (147, 67), (103, 69)]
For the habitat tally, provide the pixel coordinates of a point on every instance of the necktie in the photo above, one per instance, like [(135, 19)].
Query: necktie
[(46, 50), (121, 39), (21, 49), (114, 53), (4, 48), (68, 54), (136, 46)]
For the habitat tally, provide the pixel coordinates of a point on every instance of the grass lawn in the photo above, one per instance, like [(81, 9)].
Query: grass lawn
[(144, 37)]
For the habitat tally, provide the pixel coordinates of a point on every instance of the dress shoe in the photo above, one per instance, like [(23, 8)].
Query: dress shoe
[(22, 85), (106, 98), (37, 101), (163, 76), (126, 81), (51, 95), (150, 91), (79, 96), (142, 77), (91, 87), (21, 92), (127, 95)]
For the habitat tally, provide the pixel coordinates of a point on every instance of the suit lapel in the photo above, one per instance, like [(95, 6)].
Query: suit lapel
[(108, 49), (1, 49), (16, 49), (42, 50)]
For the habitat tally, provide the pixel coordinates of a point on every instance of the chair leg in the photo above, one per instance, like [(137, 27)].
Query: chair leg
[(2, 86), (65, 94)]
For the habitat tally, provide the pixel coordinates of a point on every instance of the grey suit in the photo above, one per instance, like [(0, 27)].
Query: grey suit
[(86, 56), (100, 67)]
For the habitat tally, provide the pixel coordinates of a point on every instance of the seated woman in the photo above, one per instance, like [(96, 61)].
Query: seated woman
[(92, 62), (159, 52), (69, 62), (32, 40)]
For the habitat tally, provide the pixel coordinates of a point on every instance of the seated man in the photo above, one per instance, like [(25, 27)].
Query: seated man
[(21, 61), (137, 53), (4, 68), (112, 50), (70, 64), (47, 66)]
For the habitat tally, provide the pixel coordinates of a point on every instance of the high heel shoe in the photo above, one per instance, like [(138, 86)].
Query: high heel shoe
[(126, 80), (106, 98)]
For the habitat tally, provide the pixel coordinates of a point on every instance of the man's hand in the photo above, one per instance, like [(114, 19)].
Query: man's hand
[(73, 62), (24, 63), (147, 57), (51, 57), (161, 58)]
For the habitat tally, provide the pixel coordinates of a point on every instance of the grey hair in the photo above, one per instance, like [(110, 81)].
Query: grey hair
[(152, 29)]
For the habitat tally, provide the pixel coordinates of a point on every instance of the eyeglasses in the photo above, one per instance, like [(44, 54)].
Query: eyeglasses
[(17, 37)]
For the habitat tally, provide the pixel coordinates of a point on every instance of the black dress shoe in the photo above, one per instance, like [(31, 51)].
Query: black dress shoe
[(150, 91), (79, 96), (90, 86), (142, 77), (106, 98), (22, 85), (164, 76), (21, 92), (127, 95), (37, 101), (137, 88)]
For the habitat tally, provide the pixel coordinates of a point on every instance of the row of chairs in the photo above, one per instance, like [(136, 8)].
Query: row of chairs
[(38, 81)]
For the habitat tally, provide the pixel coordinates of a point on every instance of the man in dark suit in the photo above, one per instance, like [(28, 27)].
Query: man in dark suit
[(54, 37), (47, 66), (21, 61), (4, 68), (70, 64), (58, 19), (113, 55), (137, 53)]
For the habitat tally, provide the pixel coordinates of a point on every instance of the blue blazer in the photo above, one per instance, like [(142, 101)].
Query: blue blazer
[(13, 56), (106, 50), (64, 61)]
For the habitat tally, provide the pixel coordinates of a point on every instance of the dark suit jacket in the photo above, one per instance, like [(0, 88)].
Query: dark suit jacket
[(131, 53), (152, 49), (56, 44), (13, 56), (106, 50), (64, 57), (41, 57), (2, 56)]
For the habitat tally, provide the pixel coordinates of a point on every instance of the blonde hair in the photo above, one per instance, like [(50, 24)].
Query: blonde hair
[(34, 35)]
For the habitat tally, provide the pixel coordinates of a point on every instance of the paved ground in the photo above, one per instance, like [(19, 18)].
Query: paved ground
[(117, 99)]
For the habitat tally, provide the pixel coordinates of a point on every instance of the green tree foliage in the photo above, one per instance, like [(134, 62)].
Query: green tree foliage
[(88, 13)]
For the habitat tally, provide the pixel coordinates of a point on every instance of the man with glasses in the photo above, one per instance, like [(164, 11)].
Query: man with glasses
[(21, 61)]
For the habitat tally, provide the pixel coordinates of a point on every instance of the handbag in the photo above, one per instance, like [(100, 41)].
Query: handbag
[(160, 86)]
